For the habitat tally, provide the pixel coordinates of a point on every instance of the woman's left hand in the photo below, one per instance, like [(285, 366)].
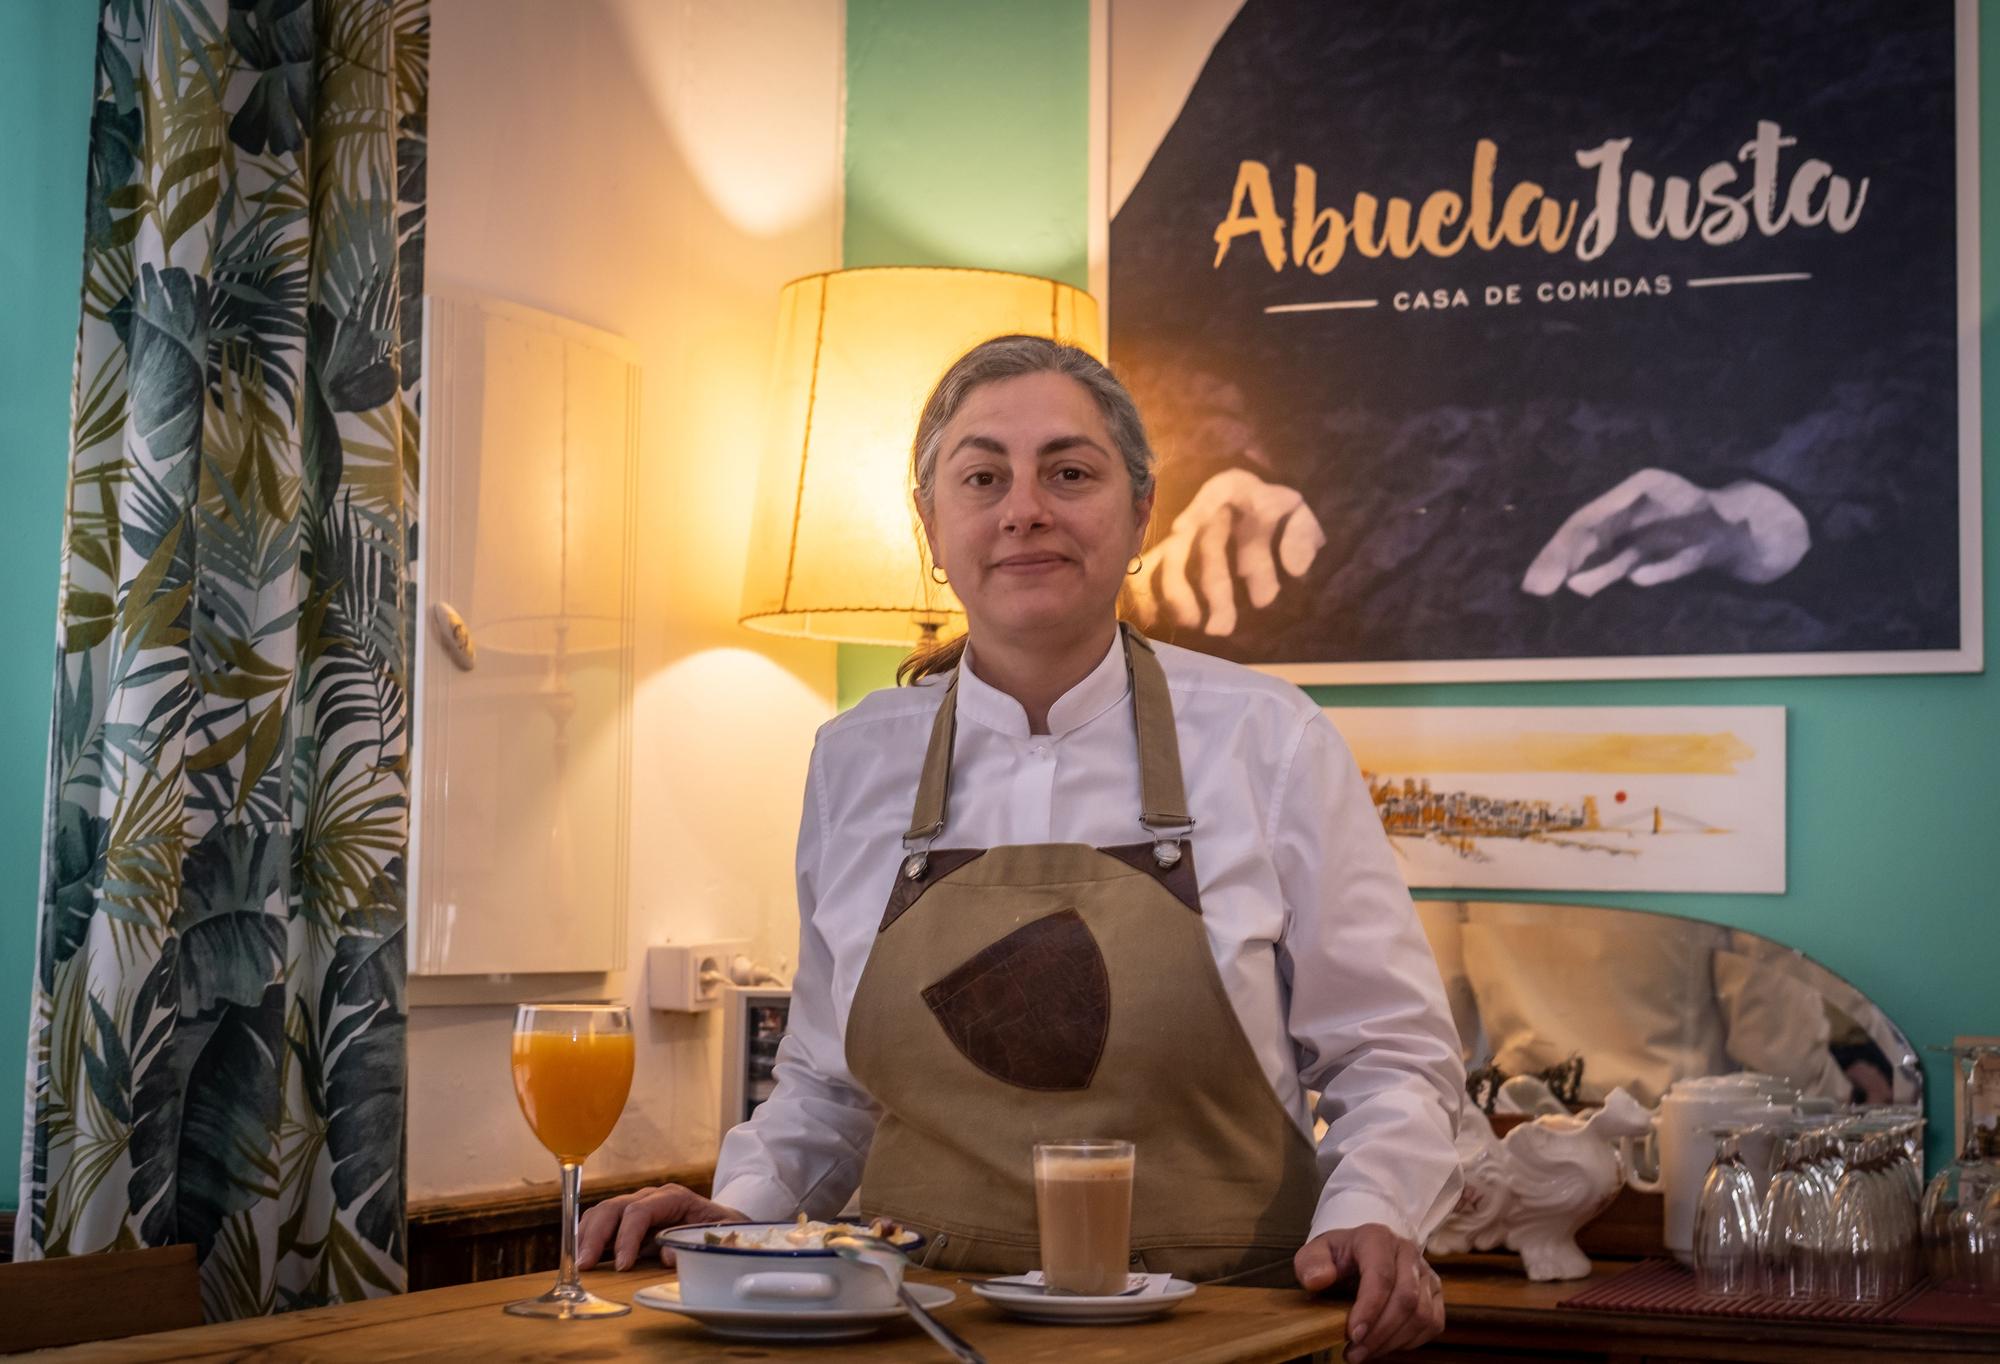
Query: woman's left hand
[(1398, 1301)]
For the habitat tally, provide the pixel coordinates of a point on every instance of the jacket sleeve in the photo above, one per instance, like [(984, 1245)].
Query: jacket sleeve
[(1366, 1008)]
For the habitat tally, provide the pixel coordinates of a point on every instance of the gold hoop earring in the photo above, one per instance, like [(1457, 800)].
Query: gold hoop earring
[(937, 576), (1138, 562)]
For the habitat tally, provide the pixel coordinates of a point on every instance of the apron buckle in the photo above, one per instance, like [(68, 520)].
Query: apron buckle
[(917, 847), (1167, 847)]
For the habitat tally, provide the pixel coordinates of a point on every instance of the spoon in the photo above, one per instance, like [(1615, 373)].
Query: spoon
[(873, 1250), (1042, 1290)]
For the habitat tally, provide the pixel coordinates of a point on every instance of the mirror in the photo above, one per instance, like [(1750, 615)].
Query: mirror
[(1591, 998)]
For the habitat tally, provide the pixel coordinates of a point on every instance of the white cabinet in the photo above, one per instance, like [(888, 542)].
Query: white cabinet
[(522, 768)]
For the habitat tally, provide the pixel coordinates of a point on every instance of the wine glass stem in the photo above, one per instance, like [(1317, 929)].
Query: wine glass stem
[(572, 1192)]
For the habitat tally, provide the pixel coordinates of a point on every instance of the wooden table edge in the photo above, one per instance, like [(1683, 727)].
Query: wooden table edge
[(1319, 1333)]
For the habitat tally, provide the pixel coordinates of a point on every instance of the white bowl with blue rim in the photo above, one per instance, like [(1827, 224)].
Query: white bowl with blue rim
[(775, 1279)]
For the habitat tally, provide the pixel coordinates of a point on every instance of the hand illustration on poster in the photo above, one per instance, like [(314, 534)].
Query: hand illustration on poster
[(1542, 341)]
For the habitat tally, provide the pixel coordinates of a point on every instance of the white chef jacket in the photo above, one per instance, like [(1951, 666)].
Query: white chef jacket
[(1312, 929)]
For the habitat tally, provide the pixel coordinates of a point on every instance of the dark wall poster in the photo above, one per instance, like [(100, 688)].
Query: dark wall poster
[(1518, 339)]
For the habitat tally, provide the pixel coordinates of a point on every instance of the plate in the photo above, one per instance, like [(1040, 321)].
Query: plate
[(762, 1323), (1080, 1310)]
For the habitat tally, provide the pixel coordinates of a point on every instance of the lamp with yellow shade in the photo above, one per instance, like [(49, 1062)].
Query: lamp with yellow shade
[(836, 551)]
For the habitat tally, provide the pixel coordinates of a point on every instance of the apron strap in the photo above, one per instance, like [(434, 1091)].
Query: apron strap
[(1162, 795), (927, 821)]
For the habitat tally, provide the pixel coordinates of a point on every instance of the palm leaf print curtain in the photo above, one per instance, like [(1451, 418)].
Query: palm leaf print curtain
[(216, 1051)]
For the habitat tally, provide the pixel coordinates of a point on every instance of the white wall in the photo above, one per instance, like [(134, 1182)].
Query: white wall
[(657, 169)]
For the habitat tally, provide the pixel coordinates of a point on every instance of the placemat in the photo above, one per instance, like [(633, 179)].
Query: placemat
[(1935, 1307), (1664, 1287)]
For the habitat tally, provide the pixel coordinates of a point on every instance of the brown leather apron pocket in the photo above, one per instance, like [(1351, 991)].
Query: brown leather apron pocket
[(1033, 1008)]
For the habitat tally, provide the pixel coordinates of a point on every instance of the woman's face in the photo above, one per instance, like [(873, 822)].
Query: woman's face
[(1032, 516)]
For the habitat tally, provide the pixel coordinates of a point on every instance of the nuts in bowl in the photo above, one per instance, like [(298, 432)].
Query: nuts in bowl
[(782, 1266), (802, 1234)]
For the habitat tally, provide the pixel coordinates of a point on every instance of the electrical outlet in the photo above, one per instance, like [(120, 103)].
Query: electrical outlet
[(675, 971)]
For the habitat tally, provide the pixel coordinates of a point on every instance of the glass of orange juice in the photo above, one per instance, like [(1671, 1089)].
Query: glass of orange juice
[(572, 1070)]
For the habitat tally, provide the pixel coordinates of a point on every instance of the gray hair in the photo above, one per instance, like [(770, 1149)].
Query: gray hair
[(1009, 357)]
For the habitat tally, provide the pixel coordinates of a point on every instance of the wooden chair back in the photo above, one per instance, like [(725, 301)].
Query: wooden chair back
[(77, 1298)]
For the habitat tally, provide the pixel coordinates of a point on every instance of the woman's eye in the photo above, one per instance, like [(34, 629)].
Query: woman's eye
[(1072, 474), (980, 478)]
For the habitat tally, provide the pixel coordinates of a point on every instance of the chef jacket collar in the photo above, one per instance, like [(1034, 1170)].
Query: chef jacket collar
[(1102, 688)]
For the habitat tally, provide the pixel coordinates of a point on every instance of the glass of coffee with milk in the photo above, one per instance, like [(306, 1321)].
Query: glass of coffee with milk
[(1083, 1203)]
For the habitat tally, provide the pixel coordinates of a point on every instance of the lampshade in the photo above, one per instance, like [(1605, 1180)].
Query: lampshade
[(836, 551)]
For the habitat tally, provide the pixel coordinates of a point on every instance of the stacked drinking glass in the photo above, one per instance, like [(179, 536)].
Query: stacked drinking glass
[(1812, 1208), (1960, 1216)]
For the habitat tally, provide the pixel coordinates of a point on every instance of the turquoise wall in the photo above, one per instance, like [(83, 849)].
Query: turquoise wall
[(1893, 849), (45, 85)]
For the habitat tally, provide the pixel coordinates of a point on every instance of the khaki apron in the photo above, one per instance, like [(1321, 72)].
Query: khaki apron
[(1040, 992)]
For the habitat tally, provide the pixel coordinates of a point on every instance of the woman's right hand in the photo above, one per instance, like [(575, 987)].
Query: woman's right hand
[(626, 1223)]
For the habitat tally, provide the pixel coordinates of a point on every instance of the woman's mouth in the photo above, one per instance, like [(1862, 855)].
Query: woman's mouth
[(1029, 564)]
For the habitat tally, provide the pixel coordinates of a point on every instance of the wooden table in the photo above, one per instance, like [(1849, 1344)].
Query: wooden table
[(1493, 1314), (1215, 1326)]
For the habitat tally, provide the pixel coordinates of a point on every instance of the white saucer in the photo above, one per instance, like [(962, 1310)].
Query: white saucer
[(1066, 1307), (760, 1323)]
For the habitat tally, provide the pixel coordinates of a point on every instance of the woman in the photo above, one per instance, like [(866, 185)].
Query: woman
[(1132, 891)]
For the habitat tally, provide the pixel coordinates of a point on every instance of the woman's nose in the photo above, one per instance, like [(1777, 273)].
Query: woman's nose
[(1025, 506)]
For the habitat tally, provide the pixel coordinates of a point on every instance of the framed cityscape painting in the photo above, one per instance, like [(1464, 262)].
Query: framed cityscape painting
[(1523, 340), (1660, 798)]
